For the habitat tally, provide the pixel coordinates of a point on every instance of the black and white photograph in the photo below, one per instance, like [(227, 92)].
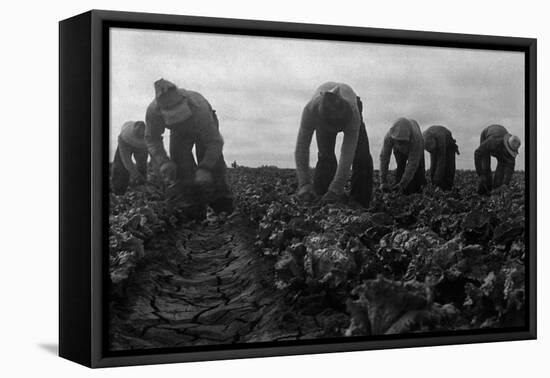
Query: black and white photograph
[(269, 190)]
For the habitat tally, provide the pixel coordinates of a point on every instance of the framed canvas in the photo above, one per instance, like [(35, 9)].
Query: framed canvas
[(235, 188)]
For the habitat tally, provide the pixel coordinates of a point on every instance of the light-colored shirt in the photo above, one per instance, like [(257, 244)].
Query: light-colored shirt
[(312, 120), (416, 150), (128, 142), (201, 126)]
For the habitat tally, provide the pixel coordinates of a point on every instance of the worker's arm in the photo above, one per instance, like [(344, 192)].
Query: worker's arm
[(347, 153), (441, 152), (482, 157), (509, 171), (209, 135), (303, 143), (125, 152), (385, 155), (154, 130), (433, 164), (416, 153)]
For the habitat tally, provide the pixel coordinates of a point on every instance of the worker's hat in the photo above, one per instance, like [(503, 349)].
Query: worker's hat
[(512, 144), (401, 130), (132, 132), (172, 102)]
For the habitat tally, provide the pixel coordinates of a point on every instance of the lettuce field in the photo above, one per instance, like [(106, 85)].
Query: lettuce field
[(280, 270)]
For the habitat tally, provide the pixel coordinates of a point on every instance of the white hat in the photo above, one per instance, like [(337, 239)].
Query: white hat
[(129, 134), (512, 144)]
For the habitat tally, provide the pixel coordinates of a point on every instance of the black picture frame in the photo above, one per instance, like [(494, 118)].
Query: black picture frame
[(83, 141)]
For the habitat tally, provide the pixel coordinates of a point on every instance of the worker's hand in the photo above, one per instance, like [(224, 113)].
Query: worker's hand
[(168, 171), (501, 189), (483, 185), (384, 187), (203, 177), (306, 193), (137, 178), (399, 188), (330, 197), (174, 192)]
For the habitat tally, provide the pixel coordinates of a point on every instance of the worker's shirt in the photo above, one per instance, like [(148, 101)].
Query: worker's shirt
[(492, 144), (128, 142), (414, 157), (201, 126), (312, 120)]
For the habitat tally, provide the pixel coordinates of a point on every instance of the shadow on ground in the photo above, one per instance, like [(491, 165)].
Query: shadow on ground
[(51, 348)]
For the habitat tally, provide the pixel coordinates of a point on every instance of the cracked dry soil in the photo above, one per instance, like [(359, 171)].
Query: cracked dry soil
[(205, 285)]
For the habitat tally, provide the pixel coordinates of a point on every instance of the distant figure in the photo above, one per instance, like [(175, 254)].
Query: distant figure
[(496, 141), (405, 140), (334, 108), (439, 142), (234, 164), (192, 122), (131, 142)]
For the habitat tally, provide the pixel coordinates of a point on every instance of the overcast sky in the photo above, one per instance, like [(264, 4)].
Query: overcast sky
[(259, 86)]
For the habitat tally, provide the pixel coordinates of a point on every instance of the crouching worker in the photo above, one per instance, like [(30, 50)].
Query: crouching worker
[(192, 123), (495, 141), (439, 142), (131, 143), (405, 140), (334, 108)]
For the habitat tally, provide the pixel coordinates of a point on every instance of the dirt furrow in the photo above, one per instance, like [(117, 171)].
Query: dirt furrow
[(203, 284)]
